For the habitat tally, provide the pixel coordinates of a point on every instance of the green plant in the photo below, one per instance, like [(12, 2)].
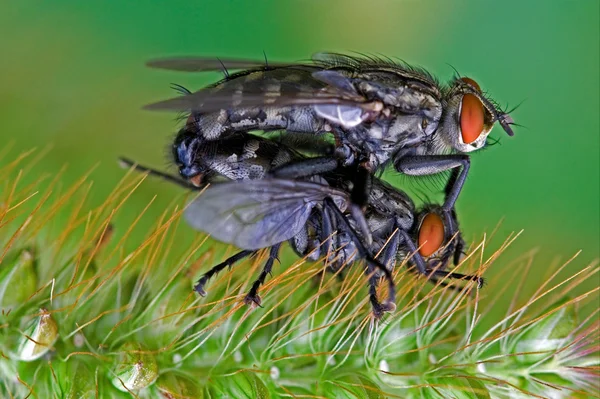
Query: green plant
[(91, 311)]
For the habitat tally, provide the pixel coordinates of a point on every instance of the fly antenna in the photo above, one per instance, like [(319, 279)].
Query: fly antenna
[(129, 164)]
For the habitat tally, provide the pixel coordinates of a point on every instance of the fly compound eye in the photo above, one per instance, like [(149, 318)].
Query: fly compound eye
[(471, 82), (472, 117), (196, 180), (431, 234)]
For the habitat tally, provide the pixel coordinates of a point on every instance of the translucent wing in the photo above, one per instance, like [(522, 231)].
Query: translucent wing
[(277, 87), (255, 214), (203, 64)]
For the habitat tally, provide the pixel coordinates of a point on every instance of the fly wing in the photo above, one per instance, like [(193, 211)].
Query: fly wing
[(273, 87), (204, 64), (255, 214)]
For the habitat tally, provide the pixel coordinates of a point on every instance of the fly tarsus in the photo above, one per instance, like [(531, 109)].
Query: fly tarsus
[(199, 287), (252, 298)]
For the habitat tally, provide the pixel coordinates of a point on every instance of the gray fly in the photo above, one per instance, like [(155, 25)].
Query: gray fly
[(379, 112)]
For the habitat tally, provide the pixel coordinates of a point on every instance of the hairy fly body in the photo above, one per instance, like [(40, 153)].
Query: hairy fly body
[(378, 111)]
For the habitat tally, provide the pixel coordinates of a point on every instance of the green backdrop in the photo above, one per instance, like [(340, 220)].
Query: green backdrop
[(72, 75)]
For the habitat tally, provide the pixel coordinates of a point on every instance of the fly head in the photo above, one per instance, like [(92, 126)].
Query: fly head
[(469, 117), (186, 156), (437, 236)]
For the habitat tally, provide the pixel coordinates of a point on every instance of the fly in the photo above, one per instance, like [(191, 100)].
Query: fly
[(258, 211), (378, 110)]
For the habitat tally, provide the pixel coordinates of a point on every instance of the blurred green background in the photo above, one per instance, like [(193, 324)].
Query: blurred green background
[(72, 75)]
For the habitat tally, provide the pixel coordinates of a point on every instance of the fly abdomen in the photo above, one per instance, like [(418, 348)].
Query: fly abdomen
[(216, 125)]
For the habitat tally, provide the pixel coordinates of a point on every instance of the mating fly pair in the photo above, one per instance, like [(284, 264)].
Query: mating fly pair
[(261, 208), (376, 112)]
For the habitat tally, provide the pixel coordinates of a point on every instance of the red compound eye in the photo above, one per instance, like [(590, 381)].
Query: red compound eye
[(471, 82), (471, 118), (431, 234)]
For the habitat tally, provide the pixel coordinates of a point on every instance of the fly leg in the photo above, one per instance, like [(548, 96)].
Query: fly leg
[(199, 287), (305, 168), (359, 198), (391, 249), (362, 184), (252, 297), (372, 264), (328, 237), (423, 269), (127, 163), (320, 165), (432, 164), (458, 251)]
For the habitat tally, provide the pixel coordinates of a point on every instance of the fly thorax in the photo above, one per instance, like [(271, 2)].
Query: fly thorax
[(376, 132), (380, 226), (405, 220), (407, 131), (437, 145)]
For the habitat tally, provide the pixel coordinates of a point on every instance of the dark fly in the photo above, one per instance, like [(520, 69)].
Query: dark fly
[(378, 111), (255, 214)]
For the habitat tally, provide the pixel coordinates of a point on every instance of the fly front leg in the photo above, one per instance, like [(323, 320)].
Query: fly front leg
[(412, 248), (252, 297), (432, 274), (432, 164), (391, 249)]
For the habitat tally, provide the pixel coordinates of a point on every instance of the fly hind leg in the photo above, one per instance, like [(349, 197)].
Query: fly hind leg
[(199, 287), (372, 265)]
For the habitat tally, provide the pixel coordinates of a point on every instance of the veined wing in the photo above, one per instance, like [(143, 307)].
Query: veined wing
[(278, 87), (255, 214)]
